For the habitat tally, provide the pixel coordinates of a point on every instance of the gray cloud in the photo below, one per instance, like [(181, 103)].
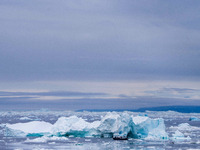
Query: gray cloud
[(181, 90), (52, 93), (99, 40), (178, 93)]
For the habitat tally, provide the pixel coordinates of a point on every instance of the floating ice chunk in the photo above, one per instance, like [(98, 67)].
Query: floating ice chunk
[(111, 125), (179, 136), (125, 125), (45, 139), (149, 128), (36, 140), (115, 124), (33, 127), (13, 132), (25, 118), (194, 119), (74, 126), (184, 127), (157, 133), (65, 124)]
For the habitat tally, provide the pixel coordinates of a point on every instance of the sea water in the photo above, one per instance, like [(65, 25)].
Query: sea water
[(84, 130)]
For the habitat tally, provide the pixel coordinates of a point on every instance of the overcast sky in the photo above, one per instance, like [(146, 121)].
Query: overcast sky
[(118, 48)]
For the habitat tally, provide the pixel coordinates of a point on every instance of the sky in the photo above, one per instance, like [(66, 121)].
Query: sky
[(95, 54)]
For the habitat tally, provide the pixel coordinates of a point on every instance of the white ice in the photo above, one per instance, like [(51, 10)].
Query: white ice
[(112, 124), (184, 127), (31, 127), (179, 136)]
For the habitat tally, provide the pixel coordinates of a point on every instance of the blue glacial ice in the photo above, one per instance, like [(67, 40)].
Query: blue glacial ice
[(110, 125), (194, 119)]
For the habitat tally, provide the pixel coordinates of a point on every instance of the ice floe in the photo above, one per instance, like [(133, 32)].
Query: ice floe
[(45, 139)]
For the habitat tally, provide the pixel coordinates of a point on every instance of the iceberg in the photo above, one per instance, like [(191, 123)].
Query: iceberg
[(112, 125), (150, 128), (115, 125), (45, 139), (33, 128), (194, 119), (74, 126), (25, 118), (184, 127), (179, 136)]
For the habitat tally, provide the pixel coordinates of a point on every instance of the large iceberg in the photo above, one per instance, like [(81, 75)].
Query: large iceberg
[(113, 124)]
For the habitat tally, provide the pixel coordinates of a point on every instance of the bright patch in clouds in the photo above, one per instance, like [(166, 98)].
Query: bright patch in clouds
[(55, 90)]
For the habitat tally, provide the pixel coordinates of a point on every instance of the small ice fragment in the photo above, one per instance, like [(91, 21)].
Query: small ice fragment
[(194, 119), (179, 136)]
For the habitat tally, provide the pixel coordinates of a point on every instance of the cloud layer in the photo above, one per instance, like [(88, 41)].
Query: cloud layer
[(111, 54), (78, 101), (99, 40)]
